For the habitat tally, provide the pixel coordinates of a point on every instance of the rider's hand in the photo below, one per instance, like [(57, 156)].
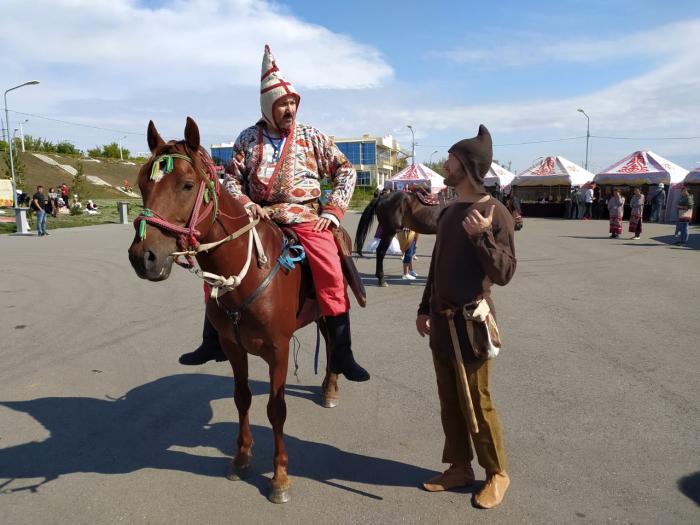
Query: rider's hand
[(322, 223), (237, 165), (423, 324), (256, 212)]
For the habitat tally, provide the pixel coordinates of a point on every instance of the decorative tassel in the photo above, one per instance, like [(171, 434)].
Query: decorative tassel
[(142, 229)]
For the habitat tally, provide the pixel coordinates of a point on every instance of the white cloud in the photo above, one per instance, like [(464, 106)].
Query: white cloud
[(526, 49), (191, 45)]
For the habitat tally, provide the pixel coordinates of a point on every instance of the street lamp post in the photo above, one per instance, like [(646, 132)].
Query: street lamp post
[(430, 161), (121, 157), (413, 144), (7, 121), (588, 132), (21, 132)]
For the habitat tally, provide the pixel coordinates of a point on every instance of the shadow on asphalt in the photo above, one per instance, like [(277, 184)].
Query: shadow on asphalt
[(690, 486), (371, 280), (670, 240), (139, 429)]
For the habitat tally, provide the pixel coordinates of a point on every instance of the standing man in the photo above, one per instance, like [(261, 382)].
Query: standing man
[(474, 248), (276, 173), (38, 205), (657, 204), (588, 202), (575, 201)]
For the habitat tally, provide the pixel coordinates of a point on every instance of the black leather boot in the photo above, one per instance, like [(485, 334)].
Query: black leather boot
[(209, 349), (342, 360)]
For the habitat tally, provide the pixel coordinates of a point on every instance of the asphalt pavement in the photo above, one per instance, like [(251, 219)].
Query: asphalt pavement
[(597, 389)]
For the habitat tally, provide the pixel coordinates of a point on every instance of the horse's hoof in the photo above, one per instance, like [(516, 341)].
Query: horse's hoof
[(279, 495), (330, 402), (383, 283), (238, 472)]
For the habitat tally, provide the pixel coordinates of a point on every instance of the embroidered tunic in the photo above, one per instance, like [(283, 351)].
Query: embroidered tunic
[(284, 174)]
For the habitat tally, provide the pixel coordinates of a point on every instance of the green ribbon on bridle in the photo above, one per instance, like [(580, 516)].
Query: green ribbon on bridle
[(142, 223), (167, 160)]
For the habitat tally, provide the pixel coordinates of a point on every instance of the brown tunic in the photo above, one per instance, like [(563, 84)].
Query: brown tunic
[(463, 268)]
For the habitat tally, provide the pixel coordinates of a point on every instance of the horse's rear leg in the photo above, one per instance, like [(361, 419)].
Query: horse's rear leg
[(240, 466), (381, 252), (277, 413), (329, 387)]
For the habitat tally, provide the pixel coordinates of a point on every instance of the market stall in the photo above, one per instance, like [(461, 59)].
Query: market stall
[(543, 189), (498, 179), (414, 176), (646, 170)]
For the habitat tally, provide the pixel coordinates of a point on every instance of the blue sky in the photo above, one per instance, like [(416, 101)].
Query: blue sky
[(521, 68)]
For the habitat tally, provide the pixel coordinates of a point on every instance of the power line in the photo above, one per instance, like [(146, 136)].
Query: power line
[(516, 143), (643, 138), (76, 123)]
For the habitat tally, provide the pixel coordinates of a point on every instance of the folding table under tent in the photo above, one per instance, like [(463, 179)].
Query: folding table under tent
[(416, 175), (646, 167), (538, 183)]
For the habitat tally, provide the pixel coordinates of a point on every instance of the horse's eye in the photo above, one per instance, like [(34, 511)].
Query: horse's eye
[(187, 186)]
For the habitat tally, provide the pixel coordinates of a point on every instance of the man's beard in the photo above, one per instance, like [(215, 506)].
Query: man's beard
[(453, 179)]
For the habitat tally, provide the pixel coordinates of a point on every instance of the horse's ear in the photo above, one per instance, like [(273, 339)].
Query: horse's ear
[(191, 134), (154, 138)]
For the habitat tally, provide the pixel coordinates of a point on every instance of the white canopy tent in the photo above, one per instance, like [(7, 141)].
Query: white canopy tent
[(646, 167), (693, 177), (416, 175), (499, 176), (553, 171)]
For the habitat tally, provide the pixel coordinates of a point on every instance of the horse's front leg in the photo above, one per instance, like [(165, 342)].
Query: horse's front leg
[(240, 466), (329, 387), (381, 252), (277, 414)]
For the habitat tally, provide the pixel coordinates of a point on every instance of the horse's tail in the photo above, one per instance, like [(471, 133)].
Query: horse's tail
[(366, 220)]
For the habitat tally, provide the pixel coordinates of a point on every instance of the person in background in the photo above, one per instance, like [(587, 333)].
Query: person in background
[(616, 205), (408, 240), (637, 209), (657, 204), (39, 206), (685, 214), (65, 194), (588, 202), (575, 201), (53, 198)]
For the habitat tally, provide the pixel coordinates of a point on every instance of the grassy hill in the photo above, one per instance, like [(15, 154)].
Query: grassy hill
[(112, 171)]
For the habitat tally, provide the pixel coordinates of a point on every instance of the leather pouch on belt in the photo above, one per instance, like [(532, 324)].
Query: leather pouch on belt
[(482, 329)]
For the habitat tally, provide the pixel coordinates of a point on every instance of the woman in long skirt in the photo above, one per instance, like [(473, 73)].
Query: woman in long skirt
[(637, 206), (616, 205)]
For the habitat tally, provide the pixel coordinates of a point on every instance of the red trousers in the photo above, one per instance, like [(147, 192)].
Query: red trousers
[(324, 262)]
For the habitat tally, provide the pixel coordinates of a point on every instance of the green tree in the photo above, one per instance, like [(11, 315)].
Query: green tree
[(66, 148), (80, 185), (95, 152), (112, 151)]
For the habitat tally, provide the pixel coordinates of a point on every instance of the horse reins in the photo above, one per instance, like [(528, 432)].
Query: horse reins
[(188, 236)]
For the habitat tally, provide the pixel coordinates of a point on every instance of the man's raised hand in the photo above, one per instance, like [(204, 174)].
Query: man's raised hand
[(475, 223)]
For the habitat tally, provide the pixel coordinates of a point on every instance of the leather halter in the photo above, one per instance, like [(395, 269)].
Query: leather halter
[(187, 236)]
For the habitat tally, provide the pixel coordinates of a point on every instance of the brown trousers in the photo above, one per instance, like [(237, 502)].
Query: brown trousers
[(488, 442)]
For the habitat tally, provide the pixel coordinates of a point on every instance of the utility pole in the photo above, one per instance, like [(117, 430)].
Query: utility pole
[(588, 133), (413, 144)]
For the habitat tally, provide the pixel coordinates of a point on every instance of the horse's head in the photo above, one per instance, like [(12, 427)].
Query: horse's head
[(179, 189)]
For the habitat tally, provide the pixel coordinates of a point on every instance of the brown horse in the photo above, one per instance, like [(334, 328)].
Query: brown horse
[(395, 210), (187, 213)]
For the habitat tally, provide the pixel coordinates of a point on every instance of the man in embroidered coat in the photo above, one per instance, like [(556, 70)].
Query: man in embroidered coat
[(474, 248), (276, 173)]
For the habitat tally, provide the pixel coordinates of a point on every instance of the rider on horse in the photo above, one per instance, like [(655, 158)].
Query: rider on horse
[(276, 173)]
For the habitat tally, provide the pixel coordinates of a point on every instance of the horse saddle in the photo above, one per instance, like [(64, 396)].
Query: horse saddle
[(344, 244), (425, 198)]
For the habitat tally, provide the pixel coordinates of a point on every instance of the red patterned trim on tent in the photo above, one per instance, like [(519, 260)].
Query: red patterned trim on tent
[(546, 167), (637, 164)]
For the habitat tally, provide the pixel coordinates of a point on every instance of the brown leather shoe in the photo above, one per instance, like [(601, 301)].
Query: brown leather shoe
[(493, 491), (453, 477)]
